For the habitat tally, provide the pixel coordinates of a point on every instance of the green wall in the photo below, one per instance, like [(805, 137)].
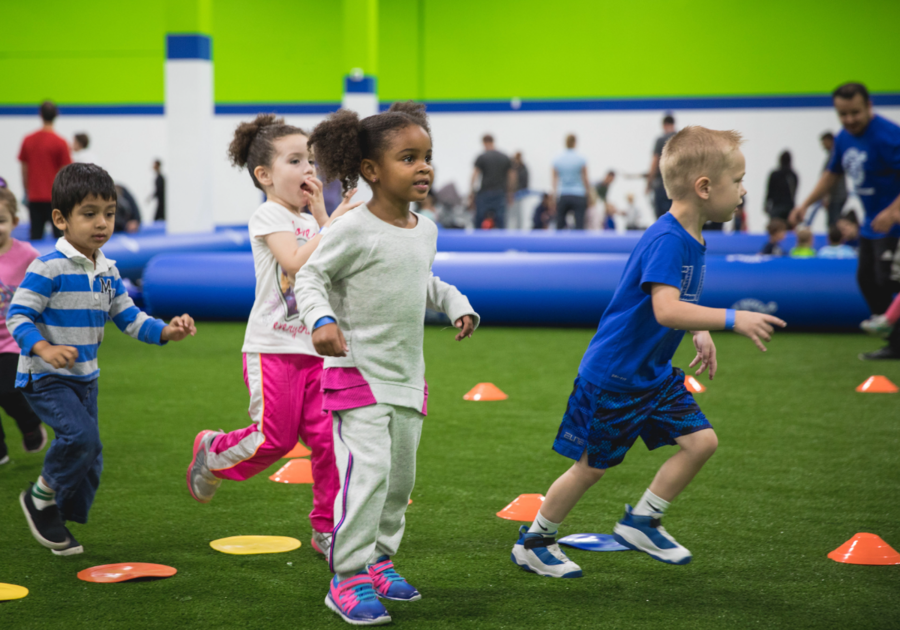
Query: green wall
[(103, 52)]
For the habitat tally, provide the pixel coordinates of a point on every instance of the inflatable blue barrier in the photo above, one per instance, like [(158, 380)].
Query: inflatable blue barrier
[(540, 289), (22, 231), (132, 253)]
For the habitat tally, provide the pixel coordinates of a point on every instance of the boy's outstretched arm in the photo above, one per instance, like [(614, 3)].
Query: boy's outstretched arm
[(178, 328), (671, 312)]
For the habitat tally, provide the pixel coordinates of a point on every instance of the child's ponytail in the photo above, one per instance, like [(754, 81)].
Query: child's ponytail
[(253, 142), (335, 143)]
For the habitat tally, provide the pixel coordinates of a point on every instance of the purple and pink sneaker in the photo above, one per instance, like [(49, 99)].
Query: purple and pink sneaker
[(354, 599), (388, 583)]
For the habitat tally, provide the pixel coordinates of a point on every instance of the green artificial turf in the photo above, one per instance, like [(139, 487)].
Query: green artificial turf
[(804, 463)]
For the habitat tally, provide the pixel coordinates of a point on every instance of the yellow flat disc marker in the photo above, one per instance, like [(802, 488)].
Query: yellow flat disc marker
[(12, 591), (247, 545)]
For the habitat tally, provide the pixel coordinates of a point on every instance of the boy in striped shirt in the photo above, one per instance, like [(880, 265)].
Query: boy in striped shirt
[(57, 318)]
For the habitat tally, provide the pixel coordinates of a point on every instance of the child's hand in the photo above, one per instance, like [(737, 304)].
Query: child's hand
[(328, 341), (312, 193), (179, 328), (706, 354), (346, 205), (756, 326), (57, 356), (466, 327)]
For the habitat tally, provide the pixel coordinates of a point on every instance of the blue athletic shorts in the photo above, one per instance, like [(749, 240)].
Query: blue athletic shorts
[(607, 423)]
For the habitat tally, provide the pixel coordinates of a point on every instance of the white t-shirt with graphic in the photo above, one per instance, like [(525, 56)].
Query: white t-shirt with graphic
[(274, 326)]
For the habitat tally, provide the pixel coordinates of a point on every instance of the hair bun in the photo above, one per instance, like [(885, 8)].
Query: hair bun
[(246, 133)]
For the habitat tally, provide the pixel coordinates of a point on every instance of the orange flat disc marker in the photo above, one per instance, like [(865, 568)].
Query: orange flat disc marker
[(693, 385), (295, 471), (878, 385), (125, 571), (298, 451), (865, 548), (524, 508), (485, 391)]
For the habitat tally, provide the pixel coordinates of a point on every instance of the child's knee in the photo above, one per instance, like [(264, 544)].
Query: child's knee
[(704, 443), (87, 441), (587, 473)]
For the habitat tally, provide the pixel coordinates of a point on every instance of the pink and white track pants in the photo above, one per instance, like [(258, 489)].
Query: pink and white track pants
[(285, 403)]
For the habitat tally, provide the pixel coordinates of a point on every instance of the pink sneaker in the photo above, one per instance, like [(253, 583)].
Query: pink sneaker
[(389, 584), (355, 601)]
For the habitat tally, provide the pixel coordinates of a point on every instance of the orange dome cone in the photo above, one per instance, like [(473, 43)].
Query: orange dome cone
[(295, 471), (298, 451), (524, 508), (878, 385), (693, 385), (485, 391), (865, 549)]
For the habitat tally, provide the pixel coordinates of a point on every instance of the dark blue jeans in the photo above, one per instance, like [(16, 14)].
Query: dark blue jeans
[(490, 202), (74, 460)]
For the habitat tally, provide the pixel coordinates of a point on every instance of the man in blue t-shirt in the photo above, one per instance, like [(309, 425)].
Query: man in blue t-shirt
[(570, 185), (867, 152), (626, 385)]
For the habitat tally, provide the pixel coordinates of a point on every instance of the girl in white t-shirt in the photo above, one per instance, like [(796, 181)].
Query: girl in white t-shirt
[(281, 368)]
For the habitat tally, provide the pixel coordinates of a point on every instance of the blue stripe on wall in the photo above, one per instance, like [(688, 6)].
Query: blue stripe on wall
[(436, 107)]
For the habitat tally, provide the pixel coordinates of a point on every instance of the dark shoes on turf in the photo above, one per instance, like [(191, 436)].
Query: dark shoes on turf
[(47, 527), (881, 354), (35, 441)]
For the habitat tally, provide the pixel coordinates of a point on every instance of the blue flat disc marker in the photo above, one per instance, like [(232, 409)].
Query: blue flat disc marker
[(592, 542)]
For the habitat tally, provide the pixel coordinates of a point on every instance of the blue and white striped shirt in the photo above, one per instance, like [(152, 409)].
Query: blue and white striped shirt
[(65, 300)]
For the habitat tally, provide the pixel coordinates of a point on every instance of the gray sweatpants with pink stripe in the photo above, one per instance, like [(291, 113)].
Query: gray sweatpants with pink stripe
[(375, 452)]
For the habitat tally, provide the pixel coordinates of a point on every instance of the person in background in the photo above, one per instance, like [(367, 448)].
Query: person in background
[(661, 201), (836, 248), (804, 247), (128, 215), (570, 186), (740, 216), (427, 207), (781, 189), (777, 230), (518, 214), (42, 154), (849, 227), (543, 214), (498, 181), (15, 256), (632, 214), (159, 192), (835, 199), (867, 150), (605, 222), (80, 151)]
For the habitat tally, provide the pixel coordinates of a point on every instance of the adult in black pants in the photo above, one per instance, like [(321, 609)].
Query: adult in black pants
[(16, 407), (570, 182), (781, 188), (867, 150)]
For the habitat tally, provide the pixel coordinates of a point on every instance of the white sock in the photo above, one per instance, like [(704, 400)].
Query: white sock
[(42, 495), (650, 505), (543, 527)]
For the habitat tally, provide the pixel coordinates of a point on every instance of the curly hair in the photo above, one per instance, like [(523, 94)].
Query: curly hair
[(254, 142), (342, 141)]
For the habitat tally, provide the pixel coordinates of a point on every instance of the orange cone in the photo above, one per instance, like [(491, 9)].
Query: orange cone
[(298, 451), (485, 391), (295, 471), (878, 385), (693, 385), (865, 549), (524, 508)]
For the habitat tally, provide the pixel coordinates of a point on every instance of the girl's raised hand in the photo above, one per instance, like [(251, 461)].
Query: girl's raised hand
[(312, 188), (346, 204), (466, 327)]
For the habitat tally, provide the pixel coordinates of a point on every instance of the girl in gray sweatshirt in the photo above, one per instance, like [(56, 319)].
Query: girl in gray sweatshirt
[(363, 293)]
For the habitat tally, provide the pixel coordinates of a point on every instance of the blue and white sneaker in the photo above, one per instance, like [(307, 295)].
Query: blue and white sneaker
[(540, 554), (645, 533)]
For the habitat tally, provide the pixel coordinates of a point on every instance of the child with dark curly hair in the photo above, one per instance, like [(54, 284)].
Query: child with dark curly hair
[(363, 293), (282, 370)]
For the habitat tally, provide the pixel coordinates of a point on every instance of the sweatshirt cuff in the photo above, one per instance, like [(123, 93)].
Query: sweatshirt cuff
[(458, 307), (151, 332), (26, 343), (312, 318)]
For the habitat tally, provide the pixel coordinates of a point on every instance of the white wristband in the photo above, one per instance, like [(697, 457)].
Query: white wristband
[(322, 231)]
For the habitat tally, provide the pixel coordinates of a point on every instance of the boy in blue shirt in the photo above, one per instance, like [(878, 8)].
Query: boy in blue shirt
[(57, 317), (626, 385)]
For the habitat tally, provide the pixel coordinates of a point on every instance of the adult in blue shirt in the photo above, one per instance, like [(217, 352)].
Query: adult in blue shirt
[(867, 151), (570, 186)]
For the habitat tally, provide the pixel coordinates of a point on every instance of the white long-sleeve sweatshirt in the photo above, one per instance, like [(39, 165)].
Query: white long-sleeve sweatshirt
[(375, 280)]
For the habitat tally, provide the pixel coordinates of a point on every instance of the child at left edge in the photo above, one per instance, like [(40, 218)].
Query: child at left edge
[(57, 317)]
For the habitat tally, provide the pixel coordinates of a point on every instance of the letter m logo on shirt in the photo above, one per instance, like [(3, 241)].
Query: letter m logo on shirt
[(106, 286), (691, 283)]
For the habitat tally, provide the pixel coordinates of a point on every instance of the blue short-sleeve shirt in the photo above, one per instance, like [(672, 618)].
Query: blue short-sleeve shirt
[(568, 167), (872, 163), (631, 351)]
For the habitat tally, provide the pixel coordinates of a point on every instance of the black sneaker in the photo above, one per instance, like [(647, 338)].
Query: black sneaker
[(73, 549), (35, 441), (881, 354), (46, 525)]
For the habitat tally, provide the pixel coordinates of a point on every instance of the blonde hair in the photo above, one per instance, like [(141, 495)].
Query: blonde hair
[(804, 236), (9, 199), (695, 152)]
